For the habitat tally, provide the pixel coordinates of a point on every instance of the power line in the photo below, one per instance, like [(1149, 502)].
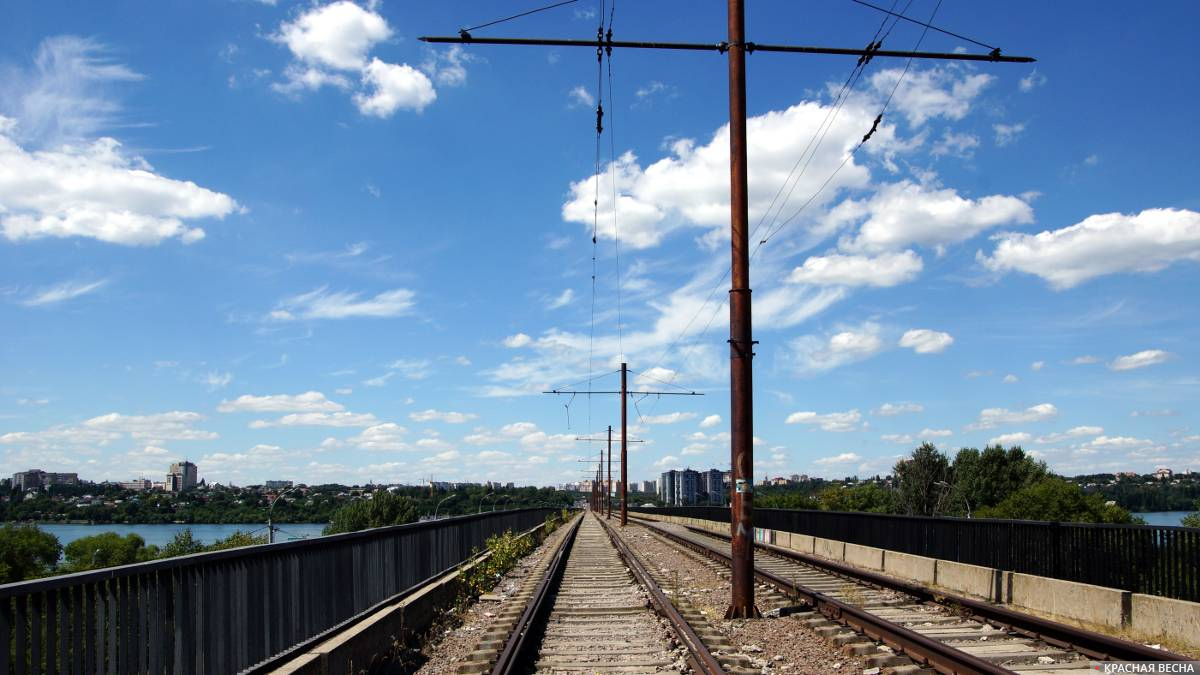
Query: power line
[(928, 25), (466, 32)]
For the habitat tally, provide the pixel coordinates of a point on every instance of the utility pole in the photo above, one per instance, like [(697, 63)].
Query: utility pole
[(624, 453), (741, 342), (608, 485)]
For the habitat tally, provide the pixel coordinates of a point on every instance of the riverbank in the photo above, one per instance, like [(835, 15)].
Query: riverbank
[(161, 534)]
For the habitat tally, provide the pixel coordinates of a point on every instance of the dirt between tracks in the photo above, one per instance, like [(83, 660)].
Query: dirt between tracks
[(781, 645), (460, 628)]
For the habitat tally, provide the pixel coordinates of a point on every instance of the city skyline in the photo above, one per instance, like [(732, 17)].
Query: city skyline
[(335, 253)]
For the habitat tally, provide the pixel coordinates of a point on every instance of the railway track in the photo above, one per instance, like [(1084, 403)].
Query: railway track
[(596, 609), (948, 633)]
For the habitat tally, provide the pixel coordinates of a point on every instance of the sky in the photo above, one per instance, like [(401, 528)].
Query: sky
[(288, 240)]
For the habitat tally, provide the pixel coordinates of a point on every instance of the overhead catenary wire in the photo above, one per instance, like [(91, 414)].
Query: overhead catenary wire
[(901, 17), (465, 32)]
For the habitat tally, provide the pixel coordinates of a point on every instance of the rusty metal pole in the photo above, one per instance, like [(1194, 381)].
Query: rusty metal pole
[(741, 345), (608, 483), (624, 454)]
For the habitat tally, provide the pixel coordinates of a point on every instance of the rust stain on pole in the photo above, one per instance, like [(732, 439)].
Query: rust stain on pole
[(624, 458), (741, 345)]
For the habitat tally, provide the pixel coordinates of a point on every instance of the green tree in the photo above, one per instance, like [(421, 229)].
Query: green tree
[(237, 540), (26, 552), (1193, 519), (1054, 499), (106, 549), (383, 508), (918, 492), (183, 543), (987, 478), (867, 498)]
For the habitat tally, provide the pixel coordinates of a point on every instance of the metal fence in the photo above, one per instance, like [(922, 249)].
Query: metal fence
[(1151, 559), (226, 611)]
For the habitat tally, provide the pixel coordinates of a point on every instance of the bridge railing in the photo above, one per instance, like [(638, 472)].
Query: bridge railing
[(226, 611), (1151, 559)]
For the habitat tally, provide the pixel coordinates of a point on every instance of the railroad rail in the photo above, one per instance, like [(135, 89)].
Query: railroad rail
[(596, 608), (949, 633)]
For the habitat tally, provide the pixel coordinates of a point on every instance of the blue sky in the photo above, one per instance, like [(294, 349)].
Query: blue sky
[(288, 240)]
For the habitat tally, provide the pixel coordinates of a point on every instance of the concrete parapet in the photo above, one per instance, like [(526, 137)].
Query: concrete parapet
[(783, 539), (909, 566), (863, 556), (981, 582), (803, 543), (1153, 618), (1070, 599), (829, 548)]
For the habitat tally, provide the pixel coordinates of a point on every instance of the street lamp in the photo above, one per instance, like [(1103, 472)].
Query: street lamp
[(271, 510), (498, 501), (944, 484), (480, 509), (439, 504)]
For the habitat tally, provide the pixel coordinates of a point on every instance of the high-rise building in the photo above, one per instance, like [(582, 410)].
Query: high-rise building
[(138, 484), (181, 477), (36, 478), (277, 484), (666, 487), (687, 486), (713, 486), (649, 486)]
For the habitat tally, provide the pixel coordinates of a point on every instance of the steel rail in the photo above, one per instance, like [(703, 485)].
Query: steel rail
[(919, 648), (1089, 643), (699, 657), (514, 655)]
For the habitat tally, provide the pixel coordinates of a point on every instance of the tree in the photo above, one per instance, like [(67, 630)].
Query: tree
[(867, 498), (237, 540), (1055, 499), (106, 549), (918, 493), (382, 509), (26, 552), (987, 478), (183, 543), (1193, 519)]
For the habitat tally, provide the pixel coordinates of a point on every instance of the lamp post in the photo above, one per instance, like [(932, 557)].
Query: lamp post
[(271, 510), (498, 501), (439, 504), (480, 509), (943, 484)]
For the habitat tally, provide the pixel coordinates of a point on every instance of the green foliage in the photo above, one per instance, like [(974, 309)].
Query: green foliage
[(1055, 499), (26, 552), (1193, 519), (987, 478), (183, 543), (237, 540), (504, 552), (779, 499), (867, 498), (382, 509), (918, 492), (106, 549)]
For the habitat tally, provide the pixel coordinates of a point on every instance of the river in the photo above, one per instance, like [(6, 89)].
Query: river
[(160, 535), (1163, 517)]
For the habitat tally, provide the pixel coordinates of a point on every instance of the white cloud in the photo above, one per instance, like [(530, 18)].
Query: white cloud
[(580, 96), (447, 417), (1037, 365), (1084, 360), (448, 67), (811, 354), (1011, 379), (412, 369), (899, 215), (175, 425), (836, 421), (322, 304), (380, 381), (338, 35), (344, 391), (309, 401), (67, 290), (937, 92), (893, 409), (1118, 442), (990, 417), (670, 418), (1073, 432), (561, 300), (959, 145), (93, 190), (667, 461), (386, 436), (924, 435), (462, 361), (216, 380), (517, 341), (887, 269), (925, 341), (1007, 133), (319, 419), (1010, 439), (1032, 81), (393, 87), (710, 421), (1109, 243), (844, 458), (1148, 357)]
